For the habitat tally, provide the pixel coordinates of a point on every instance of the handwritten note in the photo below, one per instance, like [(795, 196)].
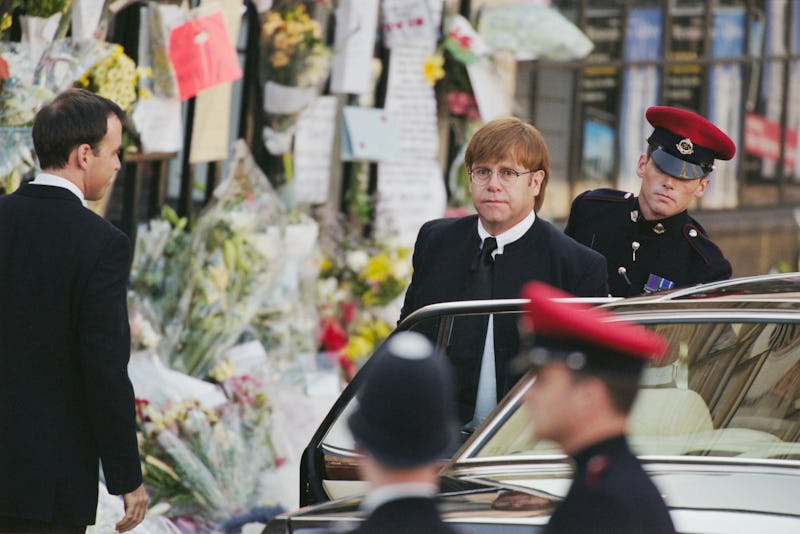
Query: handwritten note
[(409, 194), (159, 123), (407, 22), (313, 146), (411, 99)]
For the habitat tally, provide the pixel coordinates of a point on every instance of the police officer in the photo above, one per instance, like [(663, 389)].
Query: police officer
[(587, 380), (650, 242), (405, 424)]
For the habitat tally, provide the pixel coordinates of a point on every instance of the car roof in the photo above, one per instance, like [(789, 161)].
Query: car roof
[(773, 292)]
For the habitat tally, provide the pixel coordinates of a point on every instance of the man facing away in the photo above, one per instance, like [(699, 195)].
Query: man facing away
[(65, 398), (650, 241), (588, 372), (404, 425), (493, 254)]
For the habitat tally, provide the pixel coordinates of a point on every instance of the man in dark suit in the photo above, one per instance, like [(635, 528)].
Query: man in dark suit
[(404, 425), (493, 254), (588, 372), (65, 398), (650, 241)]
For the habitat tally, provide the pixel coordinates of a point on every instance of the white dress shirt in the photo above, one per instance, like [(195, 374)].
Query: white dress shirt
[(486, 398), (57, 181)]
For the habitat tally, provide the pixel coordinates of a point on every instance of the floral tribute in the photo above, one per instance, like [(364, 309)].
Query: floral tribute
[(293, 47), (235, 251), (210, 464), (361, 282), (116, 77), (297, 63)]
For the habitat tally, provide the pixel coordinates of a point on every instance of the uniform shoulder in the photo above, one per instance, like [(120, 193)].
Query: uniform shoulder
[(606, 195), (697, 238)]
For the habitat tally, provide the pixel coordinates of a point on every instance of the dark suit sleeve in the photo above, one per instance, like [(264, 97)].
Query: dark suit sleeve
[(409, 302), (104, 334), (594, 279), (569, 229)]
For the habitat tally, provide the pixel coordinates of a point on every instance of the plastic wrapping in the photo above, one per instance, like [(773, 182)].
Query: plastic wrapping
[(236, 254)]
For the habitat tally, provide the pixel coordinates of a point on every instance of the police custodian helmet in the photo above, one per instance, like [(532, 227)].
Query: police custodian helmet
[(406, 406)]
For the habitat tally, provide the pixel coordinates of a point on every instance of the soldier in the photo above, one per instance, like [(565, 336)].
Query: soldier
[(405, 424), (650, 241), (587, 379)]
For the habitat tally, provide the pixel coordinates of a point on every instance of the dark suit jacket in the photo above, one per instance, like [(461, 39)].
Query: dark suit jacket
[(403, 516), (443, 255), (65, 397), (611, 493), (676, 248)]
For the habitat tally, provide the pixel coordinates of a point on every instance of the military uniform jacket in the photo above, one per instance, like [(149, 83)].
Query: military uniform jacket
[(66, 402), (443, 254), (610, 493), (676, 249), (404, 516)]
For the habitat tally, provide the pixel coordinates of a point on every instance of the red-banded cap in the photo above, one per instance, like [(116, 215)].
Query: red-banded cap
[(686, 144), (586, 325)]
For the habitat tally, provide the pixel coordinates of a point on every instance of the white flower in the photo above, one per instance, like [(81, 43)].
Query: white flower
[(357, 260), (242, 221)]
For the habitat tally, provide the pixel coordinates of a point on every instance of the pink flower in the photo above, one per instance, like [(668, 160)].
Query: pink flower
[(4, 73), (463, 104)]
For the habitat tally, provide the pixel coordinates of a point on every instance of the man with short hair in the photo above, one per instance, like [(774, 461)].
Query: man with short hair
[(588, 372), (493, 254), (650, 241), (66, 402), (405, 425)]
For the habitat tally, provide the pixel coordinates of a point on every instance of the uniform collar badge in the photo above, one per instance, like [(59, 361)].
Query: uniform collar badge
[(685, 146), (659, 228)]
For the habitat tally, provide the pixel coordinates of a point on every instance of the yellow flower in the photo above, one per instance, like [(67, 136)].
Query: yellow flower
[(378, 268), (325, 265), (5, 22), (223, 370), (274, 23), (357, 347), (279, 59), (433, 68)]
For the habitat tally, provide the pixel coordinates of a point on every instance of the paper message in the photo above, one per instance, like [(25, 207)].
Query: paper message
[(313, 147), (407, 22), (356, 25), (412, 101), (410, 193), (160, 124)]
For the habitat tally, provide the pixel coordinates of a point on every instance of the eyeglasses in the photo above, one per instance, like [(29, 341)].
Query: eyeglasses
[(482, 175)]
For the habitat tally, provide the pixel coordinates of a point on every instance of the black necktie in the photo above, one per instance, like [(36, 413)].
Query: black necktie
[(483, 271)]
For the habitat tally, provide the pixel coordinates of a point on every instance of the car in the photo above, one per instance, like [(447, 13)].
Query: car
[(716, 423)]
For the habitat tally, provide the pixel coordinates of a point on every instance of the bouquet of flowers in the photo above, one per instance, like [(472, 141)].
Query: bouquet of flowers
[(297, 65), (361, 283), (25, 86), (158, 272), (210, 464), (116, 77), (236, 250)]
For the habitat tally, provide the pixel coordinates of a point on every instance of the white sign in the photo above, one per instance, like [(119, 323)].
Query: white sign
[(313, 145), (412, 101), (407, 22), (356, 26), (409, 194), (160, 124)]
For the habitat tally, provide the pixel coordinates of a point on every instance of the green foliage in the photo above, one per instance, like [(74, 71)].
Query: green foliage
[(42, 8)]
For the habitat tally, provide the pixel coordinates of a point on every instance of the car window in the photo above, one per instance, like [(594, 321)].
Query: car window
[(725, 389)]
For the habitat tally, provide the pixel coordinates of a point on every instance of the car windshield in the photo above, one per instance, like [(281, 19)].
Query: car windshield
[(726, 389)]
